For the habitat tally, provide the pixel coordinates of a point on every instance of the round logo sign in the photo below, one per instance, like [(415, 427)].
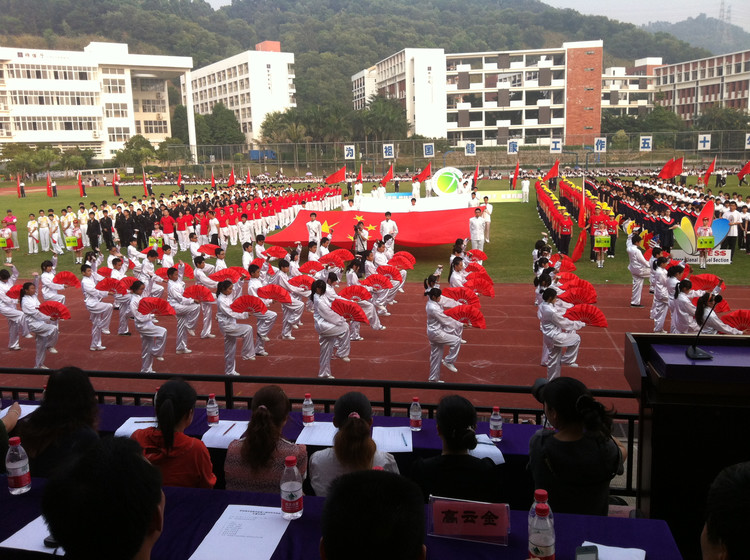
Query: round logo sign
[(447, 181)]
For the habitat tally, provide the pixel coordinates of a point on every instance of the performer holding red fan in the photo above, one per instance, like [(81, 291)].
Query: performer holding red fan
[(333, 332), (44, 327), (441, 330)]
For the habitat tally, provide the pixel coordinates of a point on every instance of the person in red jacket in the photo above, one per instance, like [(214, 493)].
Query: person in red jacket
[(593, 224)]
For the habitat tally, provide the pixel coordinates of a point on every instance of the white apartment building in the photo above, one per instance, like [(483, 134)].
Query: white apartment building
[(252, 84), (96, 99), (364, 86), (630, 91)]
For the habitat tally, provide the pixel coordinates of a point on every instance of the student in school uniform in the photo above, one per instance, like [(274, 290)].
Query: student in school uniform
[(100, 312), (187, 310), (441, 331), (49, 288)]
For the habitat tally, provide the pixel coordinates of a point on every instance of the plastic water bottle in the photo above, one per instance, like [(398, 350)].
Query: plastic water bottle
[(415, 415), (496, 425), (542, 535), (212, 410), (540, 497), (291, 490), (308, 411), (155, 394), (17, 466)]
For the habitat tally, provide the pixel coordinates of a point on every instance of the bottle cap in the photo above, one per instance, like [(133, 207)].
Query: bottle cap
[(495, 409), (291, 461), (540, 495), (14, 441), (415, 399), (212, 395), (542, 510), (307, 395), (377, 468)]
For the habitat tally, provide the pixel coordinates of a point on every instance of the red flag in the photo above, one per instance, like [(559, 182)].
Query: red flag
[(580, 246), (515, 174), (359, 175), (676, 168), (665, 171), (49, 186), (582, 209), (707, 176), (231, 181), (247, 181), (426, 172), (145, 188), (336, 177), (18, 185), (179, 178), (80, 185), (553, 172), (388, 177), (476, 176), (213, 179), (744, 171)]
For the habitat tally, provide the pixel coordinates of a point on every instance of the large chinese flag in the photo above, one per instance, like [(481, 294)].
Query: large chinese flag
[(388, 177), (415, 229), (336, 177), (553, 172), (426, 172)]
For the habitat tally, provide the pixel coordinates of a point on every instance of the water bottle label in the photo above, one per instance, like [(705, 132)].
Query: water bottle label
[(213, 418), (496, 433), (308, 418), (19, 481), (291, 506), (415, 423), (542, 552)]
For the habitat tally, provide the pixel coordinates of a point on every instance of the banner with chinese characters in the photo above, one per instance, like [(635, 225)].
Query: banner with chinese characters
[(469, 521), (349, 151)]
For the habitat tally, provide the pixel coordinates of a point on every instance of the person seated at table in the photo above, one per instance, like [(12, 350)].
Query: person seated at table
[(105, 503), (575, 463), (353, 447), (371, 515), (255, 463), (182, 460), (724, 534), (7, 424), (63, 425), (455, 473)]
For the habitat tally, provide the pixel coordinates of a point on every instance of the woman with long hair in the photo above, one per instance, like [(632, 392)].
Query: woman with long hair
[(353, 272), (63, 425), (182, 460), (232, 330), (457, 274), (17, 324), (441, 330), (711, 323), (683, 310), (353, 447), (558, 334), (333, 332), (660, 305), (369, 268), (153, 337), (255, 463), (45, 328), (100, 312), (576, 461)]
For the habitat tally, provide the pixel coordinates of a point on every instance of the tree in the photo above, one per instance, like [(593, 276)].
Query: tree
[(135, 153), (179, 124), (225, 129), (172, 149), (76, 158), (722, 118)]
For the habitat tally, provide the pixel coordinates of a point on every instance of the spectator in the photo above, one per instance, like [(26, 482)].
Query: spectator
[(353, 447), (255, 463), (106, 503), (182, 460), (455, 473), (389, 520), (724, 535)]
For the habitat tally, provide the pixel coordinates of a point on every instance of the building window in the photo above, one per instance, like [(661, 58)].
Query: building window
[(155, 127), (113, 85), (153, 106), (116, 110), (151, 84), (118, 133)]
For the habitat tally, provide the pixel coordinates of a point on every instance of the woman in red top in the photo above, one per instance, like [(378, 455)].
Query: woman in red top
[(182, 460)]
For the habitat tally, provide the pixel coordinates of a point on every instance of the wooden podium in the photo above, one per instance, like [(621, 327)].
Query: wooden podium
[(694, 421)]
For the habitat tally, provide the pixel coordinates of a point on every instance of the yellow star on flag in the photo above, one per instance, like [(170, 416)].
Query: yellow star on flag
[(370, 227), (359, 218), (325, 228), (350, 237)]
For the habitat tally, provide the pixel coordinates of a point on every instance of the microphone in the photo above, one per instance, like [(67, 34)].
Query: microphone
[(693, 352)]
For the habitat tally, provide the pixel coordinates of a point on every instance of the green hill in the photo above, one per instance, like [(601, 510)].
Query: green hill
[(705, 32)]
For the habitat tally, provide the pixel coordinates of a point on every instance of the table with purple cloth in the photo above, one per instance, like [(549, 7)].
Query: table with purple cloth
[(190, 514)]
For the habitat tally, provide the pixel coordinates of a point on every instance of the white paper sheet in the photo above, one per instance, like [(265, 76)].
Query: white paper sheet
[(26, 409), (135, 423), (31, 537), (221, 435), (486, 448), (320, 434), (616, 553), (243, 530), (393, 440)]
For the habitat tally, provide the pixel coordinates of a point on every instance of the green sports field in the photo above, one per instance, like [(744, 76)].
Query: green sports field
[(515, 228)]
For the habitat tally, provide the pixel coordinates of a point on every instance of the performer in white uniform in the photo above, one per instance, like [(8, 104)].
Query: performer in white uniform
[(99, 311), (202, 271), (441, 330), (476, 230), (49, 288), (17, 324), (187, 310), (292, 311), (122, 301), (559, 333), (232, 331), (333, 332), (683, 310), (153, 337), (45, 329), (638, 268)]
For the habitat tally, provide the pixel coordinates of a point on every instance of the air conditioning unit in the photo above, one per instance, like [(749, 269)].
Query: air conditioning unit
[(95, 134), (158, 117), (158, 95)]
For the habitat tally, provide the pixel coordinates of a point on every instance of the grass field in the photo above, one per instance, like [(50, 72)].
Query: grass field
[(515, 228)]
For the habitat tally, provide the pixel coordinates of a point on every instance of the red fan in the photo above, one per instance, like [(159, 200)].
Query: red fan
[(580, 295), (131, 265), (480, 284), (311, 267), (407, 255), (225, 274), (401, 263), (241, 271), (188, 271), (67, 278), (482, 275), (276, 252), (54, 310), (343, 254), (104, 271), (15, 291), (274, 292), (377, 281), (156, 306), (124, 285), (302, 281), (577, 283), (567, 264), (649, 253), (468, 315), (477, 255), (355, 293), (161, 272), (349, 311), (251, 304), (198, 293), (705, 281), (721, 307), (390, 272), (108, 285), (476, 267), (330, 258), (464, 296), (567, 276), (739, 319), (208, 249), (589, 314), (159, 251)]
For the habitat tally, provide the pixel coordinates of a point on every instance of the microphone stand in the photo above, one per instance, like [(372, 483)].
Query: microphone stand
[(695, 353)]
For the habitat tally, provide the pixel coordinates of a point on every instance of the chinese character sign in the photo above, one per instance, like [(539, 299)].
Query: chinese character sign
[(428, 150), (470, 149), (349, 151), (646, 143), (475, 521), (388, 152), (600, 145), (747, 141), (704, 141), (512, 146), (555, 146)]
